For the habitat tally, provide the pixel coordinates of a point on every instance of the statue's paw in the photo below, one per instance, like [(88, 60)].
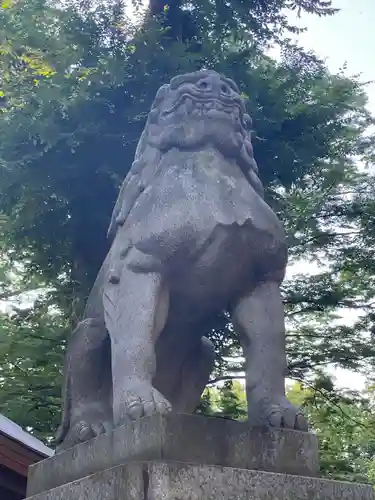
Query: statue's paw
[(84, 428), (142, 401), (281, 414)]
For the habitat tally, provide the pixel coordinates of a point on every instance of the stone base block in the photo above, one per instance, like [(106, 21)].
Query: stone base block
[(176, 481), (181, 438)]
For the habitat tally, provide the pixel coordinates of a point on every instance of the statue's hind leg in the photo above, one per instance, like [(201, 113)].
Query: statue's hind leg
[(259, 318), (195, 374), (88, 388), (183, 371)]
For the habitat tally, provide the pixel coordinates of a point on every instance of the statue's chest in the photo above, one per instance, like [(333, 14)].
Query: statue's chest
[(204, 194), (187, 200), (199, 182)]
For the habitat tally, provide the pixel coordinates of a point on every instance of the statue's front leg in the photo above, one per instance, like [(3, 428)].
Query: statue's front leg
[(259, 317), (135, 311)]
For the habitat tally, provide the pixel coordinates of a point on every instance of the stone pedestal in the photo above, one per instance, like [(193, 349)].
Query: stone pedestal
[(190, 457)]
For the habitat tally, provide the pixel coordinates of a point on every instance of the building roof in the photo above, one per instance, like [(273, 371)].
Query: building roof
[(14, 431)]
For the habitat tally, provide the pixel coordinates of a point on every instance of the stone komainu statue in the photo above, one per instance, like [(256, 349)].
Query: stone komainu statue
[(191, 236)]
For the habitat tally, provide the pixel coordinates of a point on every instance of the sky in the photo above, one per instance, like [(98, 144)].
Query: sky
[(347, 38)]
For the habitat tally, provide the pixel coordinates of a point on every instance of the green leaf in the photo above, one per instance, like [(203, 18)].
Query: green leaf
[(6, 4)]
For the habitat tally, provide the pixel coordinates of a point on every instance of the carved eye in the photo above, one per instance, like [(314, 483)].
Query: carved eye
[(224, 89), (202, 85)]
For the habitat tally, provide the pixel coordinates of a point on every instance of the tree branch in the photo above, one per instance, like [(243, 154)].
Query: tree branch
[(331, 402)]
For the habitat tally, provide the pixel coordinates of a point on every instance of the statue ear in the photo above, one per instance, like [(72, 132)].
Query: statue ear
[(248, 122), (141, 146), (160, 95)]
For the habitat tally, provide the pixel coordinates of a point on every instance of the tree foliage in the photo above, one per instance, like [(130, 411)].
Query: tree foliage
[(31, 348), (344, 423), (76, 111)]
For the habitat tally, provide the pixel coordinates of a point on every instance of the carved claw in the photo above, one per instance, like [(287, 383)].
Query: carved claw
[(280, 415), (144, 400), (87, 431)]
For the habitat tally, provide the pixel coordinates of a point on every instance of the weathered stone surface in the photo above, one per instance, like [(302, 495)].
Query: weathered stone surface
[(192, 235), (166, 481), (182, 438)]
